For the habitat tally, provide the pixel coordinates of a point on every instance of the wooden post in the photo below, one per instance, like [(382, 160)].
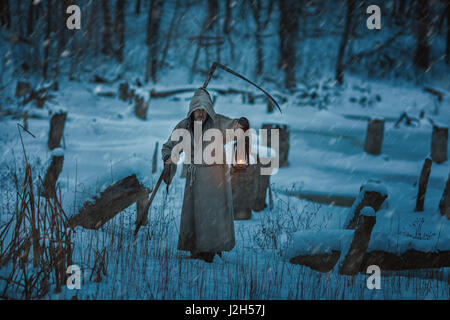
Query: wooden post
[(374, 136), (423, 182), (444, 204), (123, 91), (269, 106), (57, 122), (371, 194), (25, 120), (261, 184), (251, 99), (242, 190), (354, 258), (439, 141), (22, 89), (155, 158), (140, 107), (52, 174)]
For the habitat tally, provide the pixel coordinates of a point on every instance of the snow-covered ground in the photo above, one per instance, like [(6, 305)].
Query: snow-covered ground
[(103, 141)]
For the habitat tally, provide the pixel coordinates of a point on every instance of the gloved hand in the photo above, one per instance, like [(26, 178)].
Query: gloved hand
[(169, 172)]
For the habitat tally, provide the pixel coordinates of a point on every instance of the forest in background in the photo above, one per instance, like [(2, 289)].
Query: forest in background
[(276, 42)]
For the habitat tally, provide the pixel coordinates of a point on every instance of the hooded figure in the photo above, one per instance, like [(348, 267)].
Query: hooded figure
[(207, 222)]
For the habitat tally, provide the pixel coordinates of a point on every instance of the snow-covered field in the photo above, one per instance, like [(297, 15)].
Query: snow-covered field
[(103, 141)]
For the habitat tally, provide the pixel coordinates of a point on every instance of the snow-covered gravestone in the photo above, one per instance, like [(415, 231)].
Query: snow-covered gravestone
[(361, 238), (371, 194), (439, 142), (374, 136)]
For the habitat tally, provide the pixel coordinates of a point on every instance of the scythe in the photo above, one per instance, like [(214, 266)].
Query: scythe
[(221, 66)]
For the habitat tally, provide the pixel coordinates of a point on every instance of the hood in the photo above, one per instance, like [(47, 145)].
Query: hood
[(202, 100)]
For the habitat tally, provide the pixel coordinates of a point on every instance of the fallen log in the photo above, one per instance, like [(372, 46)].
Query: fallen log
[(324, 262), (409, 260), (114, 199)]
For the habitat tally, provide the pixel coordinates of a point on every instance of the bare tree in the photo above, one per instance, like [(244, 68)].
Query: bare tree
[(288, 32), (154, 21), (344, 40), (47, 40), (107, 44), (119, 27), (170, 32), (5, 14), (137, 8), (256, 7), (422, 55), (447, 47)]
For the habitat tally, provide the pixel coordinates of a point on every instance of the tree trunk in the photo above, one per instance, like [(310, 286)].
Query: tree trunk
[(107, 45), (447, 47), (30, 18), (5, 14), (154, 21), (344, 41), (288, 32), (119, 27), (226, 23), (47, 41), (137, 9), (256, 10), (169, 33), (423, 182), (422, 55)]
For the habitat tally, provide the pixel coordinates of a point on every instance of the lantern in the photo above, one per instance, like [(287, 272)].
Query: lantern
[(241, 162)]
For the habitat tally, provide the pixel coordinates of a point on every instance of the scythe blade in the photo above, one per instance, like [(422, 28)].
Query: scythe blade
[(216, 64)]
